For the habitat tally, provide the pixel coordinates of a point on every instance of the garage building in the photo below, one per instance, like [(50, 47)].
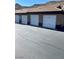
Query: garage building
[(49, 16)]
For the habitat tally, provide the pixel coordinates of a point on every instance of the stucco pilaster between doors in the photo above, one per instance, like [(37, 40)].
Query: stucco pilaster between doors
[(20, 19), (28, 18), (40, 20)]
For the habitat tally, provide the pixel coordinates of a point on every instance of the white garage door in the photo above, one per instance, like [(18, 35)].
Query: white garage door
[(17, 18), (24, 19), (49, 21), (34, 20)]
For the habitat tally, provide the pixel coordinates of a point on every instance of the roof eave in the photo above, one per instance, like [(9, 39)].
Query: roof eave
[(44, 12)]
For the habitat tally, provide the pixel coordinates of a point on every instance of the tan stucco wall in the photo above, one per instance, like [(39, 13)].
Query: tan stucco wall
[(60, 19)]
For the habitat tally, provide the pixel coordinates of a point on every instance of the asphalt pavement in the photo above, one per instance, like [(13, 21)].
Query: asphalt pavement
[(38, 43)]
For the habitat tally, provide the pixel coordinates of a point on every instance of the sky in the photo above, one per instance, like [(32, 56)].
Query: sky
[(32, 2)]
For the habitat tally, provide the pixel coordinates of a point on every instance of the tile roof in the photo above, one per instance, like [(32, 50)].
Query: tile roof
[(43, 8)]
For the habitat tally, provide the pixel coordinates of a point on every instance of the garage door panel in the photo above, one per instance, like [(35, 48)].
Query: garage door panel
[(49, 21), (34, 20), (17, 18), (24, 19)]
